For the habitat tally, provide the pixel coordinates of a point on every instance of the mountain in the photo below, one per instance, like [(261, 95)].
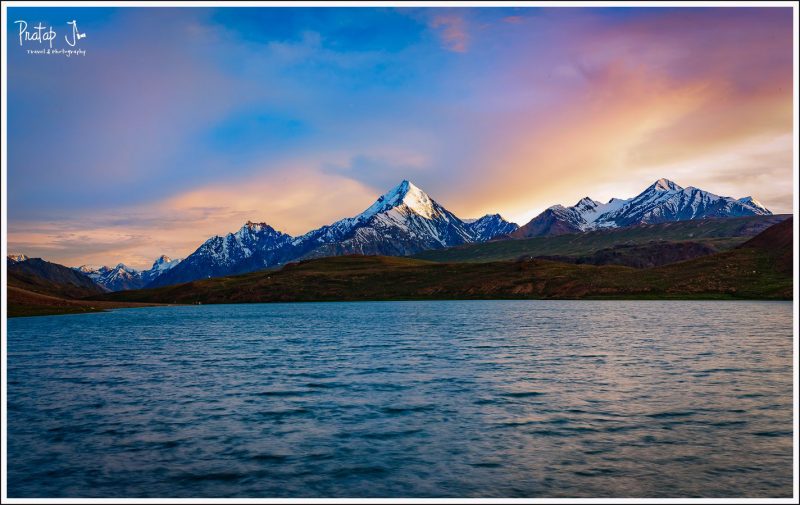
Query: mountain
[(720, 234), (254, 247), (15, 258), (556, 220), (663, 201), (122, 277), (115, 278), (752, 271), (40, 276), (37, 287), (160, 266), (406, 221), (490, 226), (401, 222)]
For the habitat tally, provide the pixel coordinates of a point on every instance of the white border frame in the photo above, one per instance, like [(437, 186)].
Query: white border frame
[(4, 247)]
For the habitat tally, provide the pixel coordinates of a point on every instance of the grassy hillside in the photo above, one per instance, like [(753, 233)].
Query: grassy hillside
[(38, 288), (51, 279), (719, 234), (22, 302), (752, 272), (648, 255)]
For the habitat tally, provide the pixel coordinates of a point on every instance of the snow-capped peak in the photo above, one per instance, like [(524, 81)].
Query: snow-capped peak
[(163, 263), (123, 266), (664, 185), (17, 258), (490, 226), (252, 226), (752, 201), (406, 194), (587, 203)]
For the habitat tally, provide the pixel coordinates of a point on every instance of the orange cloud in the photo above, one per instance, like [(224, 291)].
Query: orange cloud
[(295, 199), (634, 104)]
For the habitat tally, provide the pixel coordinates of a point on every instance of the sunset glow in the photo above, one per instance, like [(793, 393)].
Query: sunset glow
[(183, 123)]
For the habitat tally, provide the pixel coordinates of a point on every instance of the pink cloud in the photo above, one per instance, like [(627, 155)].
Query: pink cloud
[(453, 32)]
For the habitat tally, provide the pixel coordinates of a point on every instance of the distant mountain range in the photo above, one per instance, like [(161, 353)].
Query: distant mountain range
[(661, 202), (122, 277), (703, 258), (40, 276), (758, 268), (405, 221), (401, 222)]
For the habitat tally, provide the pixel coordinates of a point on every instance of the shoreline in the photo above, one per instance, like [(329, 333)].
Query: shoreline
[(25, 303), (104, 306)]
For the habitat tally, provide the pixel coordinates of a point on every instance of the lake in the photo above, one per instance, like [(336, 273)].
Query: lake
[(404, 399)]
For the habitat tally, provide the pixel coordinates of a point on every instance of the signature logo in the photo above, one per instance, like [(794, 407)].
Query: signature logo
[(44, 34), (76, 35)]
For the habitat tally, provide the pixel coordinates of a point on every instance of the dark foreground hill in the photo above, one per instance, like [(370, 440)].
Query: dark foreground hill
[(40, 276), (651, 254), (778, 240), (36, 287), (755, 270)]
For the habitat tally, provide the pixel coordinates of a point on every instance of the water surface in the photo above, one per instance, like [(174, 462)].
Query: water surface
[(404, 399)]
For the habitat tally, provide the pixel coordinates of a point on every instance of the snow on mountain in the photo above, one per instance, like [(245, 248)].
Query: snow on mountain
[(662, 201), (93, 272), (164, 263), (161, 265), (665, 201), (752, 202), (122, 277), (16, 258), (489, 227), (403, 221), (591, 210), (404, 194), (254, 246), (118, 278)]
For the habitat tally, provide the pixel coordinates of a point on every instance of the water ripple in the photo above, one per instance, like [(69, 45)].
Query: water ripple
[(404, 399)]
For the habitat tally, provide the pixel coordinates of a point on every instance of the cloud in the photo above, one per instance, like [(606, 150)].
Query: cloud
[(294, 198), (382, 170), (514, 20), (305, 116), (452, 29), (605, 112)]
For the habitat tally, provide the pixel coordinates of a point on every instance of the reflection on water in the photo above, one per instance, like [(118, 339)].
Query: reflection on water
[(394, 399)]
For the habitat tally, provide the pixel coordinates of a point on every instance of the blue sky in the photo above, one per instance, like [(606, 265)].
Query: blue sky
[(181, 123)]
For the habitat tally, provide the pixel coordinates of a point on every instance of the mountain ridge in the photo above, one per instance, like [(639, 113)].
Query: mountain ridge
[(662, 201), (403, 221), (752, 271), (406, 221), (121, 276)]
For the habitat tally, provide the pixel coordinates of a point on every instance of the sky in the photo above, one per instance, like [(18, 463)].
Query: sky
[(178, 124)]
